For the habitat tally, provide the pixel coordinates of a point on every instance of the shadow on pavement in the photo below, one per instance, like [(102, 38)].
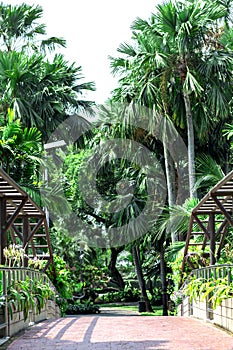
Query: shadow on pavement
[(71, 335)]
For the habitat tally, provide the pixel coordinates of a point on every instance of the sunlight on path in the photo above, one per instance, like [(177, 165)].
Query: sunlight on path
[(123, 333)]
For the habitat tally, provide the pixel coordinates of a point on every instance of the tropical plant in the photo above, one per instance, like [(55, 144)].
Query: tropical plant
[(213, 289), (129, 294), (209, 172), (183, 70), (20, 29), (60, 276), (21, 150), (91, 279), (14, 256), (26, 294), (41, 92), (82, 308)]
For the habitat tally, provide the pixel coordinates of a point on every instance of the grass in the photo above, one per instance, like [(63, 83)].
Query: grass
[(158, 310)]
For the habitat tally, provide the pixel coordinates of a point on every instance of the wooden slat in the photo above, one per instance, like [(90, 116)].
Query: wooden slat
[(20, 207)]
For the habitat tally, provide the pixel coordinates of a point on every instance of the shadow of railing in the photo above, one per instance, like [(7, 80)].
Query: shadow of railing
[(77, 333)]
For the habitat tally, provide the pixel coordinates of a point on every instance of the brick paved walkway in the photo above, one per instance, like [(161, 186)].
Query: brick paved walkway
[(123, 333)]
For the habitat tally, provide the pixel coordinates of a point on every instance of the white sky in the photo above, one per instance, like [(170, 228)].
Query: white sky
[(93, 31)]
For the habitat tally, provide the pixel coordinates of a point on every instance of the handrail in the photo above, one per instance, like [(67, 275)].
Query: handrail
[(215, 271), (21, 273), (10, 276)]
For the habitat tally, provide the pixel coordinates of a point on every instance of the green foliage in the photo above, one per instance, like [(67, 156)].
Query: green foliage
[(24, 295), (227, 253), (42, 292), (213, 289), (209, 172), (93, 278), (39, 90), (62, 303), (81, 308), (65, 246), (174, 258), (20, 150), (21, 28), (60, 276), (127, 295)]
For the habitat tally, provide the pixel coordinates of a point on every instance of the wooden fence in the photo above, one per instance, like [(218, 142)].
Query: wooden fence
[(8, 278)]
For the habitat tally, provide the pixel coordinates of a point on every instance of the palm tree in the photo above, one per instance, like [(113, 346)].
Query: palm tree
[(21, 151), (40, 93), (178, 66), (209, 172), (139, 66), (20, 29)]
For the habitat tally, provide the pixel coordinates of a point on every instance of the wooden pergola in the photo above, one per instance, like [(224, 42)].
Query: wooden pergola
[(22, 222), (210, 220)]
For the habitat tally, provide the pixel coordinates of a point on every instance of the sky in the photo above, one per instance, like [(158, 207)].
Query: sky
[(93, 31)]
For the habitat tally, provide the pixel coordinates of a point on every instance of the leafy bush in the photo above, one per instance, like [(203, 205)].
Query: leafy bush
[(92, 278), (60, 276), (24, 295), (81, 308), (214, 289), (126, 295)]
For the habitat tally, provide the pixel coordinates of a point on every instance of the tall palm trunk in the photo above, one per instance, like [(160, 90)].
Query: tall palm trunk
[(191, 152), (141, 280), (163, 278), (182, 68), (169, 170), (170, 178)]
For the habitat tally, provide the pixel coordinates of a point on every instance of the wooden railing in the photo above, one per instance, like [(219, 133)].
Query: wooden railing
[(215, 271), (8, 278), (207, 273)]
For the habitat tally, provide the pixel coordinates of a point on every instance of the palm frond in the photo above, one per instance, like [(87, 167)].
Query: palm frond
[(127, 49), (139, 24), (208, 172), (52, 42)]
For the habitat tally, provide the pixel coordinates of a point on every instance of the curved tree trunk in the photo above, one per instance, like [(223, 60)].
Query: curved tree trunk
[(141, 280), (114, 273)]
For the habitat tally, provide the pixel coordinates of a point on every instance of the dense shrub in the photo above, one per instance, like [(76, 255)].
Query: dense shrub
[(126, 295), (82, 308)]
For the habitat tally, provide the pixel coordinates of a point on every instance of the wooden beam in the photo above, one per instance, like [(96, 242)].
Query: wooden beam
[(16, 213), (222, 239), (201, 225), (204, 242), (35, 228), (212, 239), (221, 227), (49, 244), (19, 234), (3, 231), (225, 213), (187, 245), (25, 238)]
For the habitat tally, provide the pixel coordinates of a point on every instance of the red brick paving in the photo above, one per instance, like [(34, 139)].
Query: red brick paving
[(123, 333)]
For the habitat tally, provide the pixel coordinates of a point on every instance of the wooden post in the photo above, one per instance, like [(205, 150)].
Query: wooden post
[(25, 238), (212, 238), (3, 232)]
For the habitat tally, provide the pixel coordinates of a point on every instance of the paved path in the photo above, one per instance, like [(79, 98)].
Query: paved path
[(123, 333)]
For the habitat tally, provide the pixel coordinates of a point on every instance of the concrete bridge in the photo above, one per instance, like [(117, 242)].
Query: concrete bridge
[(128, 332)]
